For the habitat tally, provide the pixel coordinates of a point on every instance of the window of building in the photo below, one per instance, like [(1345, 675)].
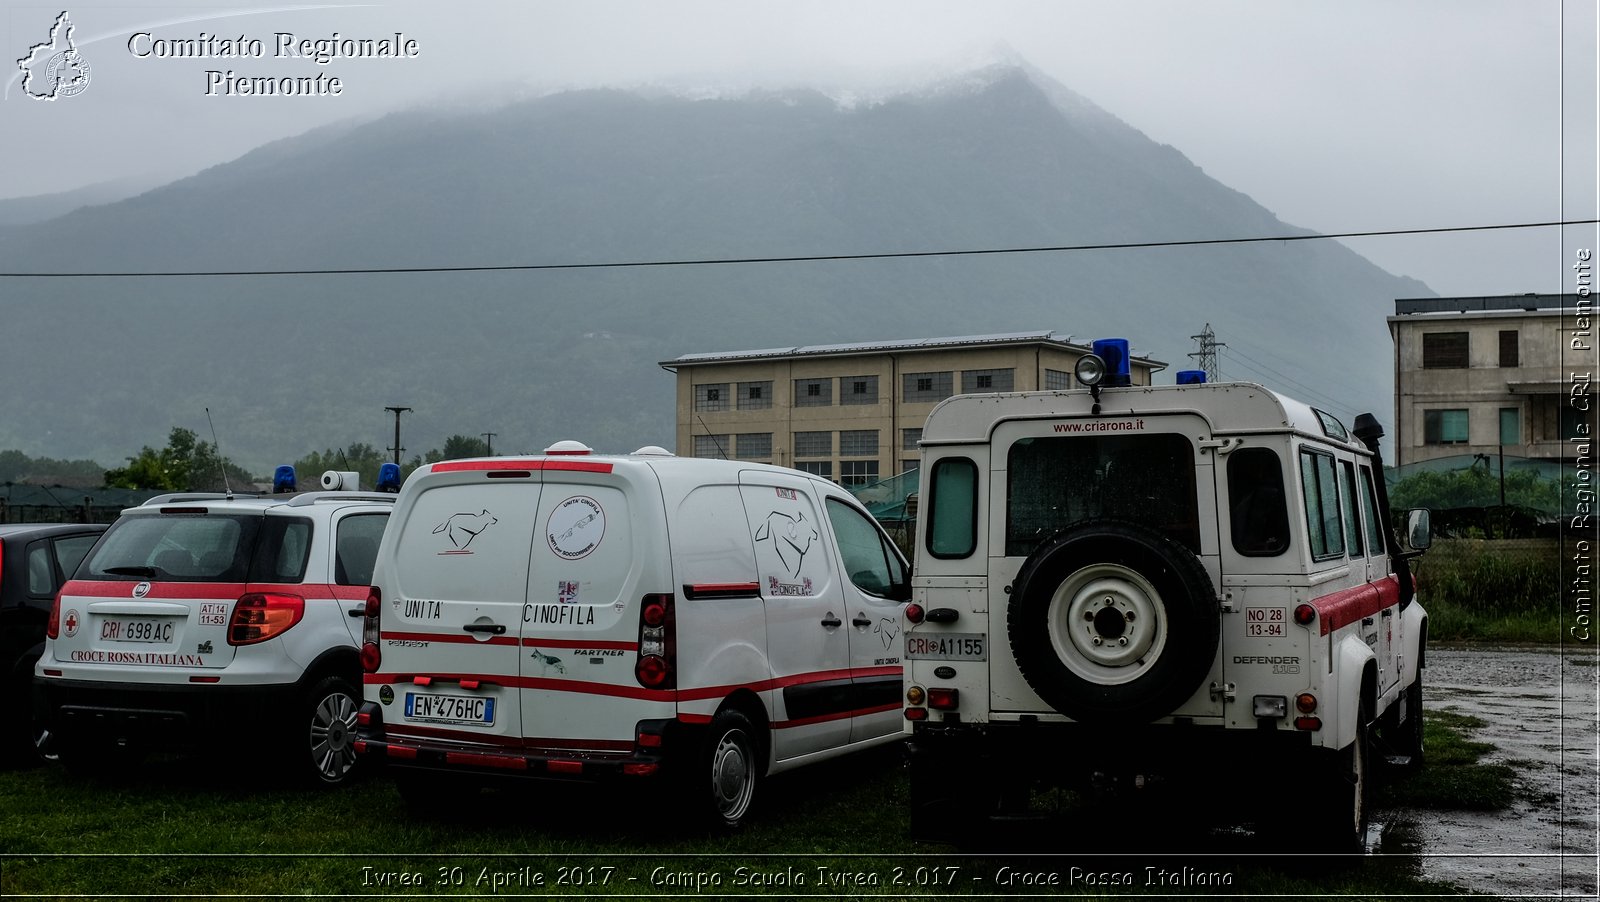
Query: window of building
[(858, 390), (858, 442), (988, 380), (906, 466), (823, 468), (1319, 489), (909, 439), (711, 397), (813, 444), (1510, 426), (1444, 427), (926, 387), (1508, 347), (755, 395), (857, 472), (813, 392), (1444, 350), (753, 445), (1056, 380), (711, 446)]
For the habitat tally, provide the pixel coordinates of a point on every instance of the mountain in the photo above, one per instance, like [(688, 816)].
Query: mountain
[(998, 158), (41, 207)]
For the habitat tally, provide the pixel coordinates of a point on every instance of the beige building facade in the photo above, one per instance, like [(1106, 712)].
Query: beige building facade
[(1483, 375), (853, 413)]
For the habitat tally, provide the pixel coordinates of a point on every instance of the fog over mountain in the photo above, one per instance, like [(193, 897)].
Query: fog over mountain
[(1000, 157)]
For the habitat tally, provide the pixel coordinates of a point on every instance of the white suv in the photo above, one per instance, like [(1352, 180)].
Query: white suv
[(1196, 584), (201, 619)]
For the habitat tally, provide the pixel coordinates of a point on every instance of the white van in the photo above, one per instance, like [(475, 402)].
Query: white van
[(578, 616)]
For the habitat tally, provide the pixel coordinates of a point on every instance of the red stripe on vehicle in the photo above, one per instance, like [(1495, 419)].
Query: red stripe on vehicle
[(585, 466), (442, 733), (467, 466), (838, 715), (1350, 605), (113, 588), (579, 643), (448, 637), (606, 689), (471, 466), (684, 717), (505, 762), (893, 671), (554, 744)]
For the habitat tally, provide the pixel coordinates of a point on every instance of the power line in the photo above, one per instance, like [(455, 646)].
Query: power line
[(812, 258)]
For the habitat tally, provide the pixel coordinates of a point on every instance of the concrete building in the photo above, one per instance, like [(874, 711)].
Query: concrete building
[(854, 412), (1485, 374)]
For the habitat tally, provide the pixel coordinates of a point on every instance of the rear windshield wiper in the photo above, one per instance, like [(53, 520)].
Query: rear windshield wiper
[(132, 570)]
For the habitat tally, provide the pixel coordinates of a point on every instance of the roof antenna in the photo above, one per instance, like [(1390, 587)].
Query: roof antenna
[(220, 467)]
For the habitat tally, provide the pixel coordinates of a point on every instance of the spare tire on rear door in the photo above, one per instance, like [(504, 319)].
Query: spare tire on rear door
[(1111, 621)]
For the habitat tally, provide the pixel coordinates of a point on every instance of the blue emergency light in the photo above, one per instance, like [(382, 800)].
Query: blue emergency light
[(389, 477), (1114, 351), (1191, 377), (283, 480)]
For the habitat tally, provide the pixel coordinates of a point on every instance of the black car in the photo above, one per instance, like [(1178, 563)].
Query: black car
[(35, 559)]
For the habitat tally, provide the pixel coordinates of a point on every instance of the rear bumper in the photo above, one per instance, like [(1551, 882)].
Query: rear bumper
[(376, 746), (177, 717)]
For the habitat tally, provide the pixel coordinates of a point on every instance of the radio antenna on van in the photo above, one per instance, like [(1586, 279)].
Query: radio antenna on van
[(720, 451), (216, 445)]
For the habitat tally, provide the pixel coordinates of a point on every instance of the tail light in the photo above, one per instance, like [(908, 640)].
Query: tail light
[(944, 698), (52, 627), (1305, 703), (371, 655), (259, 616), (914, 613), (1305, 614), (657, 643)]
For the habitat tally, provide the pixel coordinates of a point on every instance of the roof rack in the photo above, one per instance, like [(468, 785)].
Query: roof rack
[(305, 498), (180, 497)]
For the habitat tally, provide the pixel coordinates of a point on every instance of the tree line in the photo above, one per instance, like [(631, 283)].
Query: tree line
[(187, 464)]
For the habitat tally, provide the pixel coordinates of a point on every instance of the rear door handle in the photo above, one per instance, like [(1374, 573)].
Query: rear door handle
[(861, 621), (495, 628), (358, 612), (831, 621)]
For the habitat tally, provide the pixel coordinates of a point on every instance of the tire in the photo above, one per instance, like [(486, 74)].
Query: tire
[(326, 733), (720, 783), (1112, 622), (1348, 781)]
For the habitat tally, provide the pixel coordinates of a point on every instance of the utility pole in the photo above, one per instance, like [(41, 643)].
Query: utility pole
[(488, 442), (397, 449), (1206, 357)]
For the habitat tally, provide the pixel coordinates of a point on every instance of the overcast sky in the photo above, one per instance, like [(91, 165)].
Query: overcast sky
[(1338, 117)]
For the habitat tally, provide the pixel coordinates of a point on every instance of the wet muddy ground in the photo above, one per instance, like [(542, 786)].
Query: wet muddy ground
[(1540, 709)]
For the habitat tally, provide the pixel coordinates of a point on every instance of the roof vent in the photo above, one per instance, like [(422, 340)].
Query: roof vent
[(569, 447), (653, 451)]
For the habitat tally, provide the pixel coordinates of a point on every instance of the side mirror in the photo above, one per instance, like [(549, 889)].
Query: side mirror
[(1419, 531)]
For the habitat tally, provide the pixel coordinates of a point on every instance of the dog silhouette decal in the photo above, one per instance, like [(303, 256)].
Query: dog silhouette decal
[(461, 529), (791, 537)]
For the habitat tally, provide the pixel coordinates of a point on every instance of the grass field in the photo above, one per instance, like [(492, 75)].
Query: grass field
[(1491, 591), (168, 829)]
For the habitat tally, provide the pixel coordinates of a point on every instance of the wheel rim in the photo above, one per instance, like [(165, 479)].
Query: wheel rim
[(1358, 774), (732, 776), (1107, 623), (333, 724)]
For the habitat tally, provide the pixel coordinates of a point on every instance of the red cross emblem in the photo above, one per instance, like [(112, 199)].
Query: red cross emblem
[(72, 622)]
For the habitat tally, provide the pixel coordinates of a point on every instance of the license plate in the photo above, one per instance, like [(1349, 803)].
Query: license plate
[(143, 629), (945, 647), (468, 709)]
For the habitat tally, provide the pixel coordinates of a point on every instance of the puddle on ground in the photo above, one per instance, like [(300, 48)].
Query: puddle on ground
[(1539, 709)]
